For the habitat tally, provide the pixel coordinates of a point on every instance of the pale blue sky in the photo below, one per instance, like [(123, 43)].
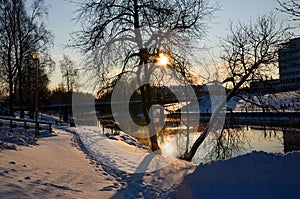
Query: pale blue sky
[(61, 12)]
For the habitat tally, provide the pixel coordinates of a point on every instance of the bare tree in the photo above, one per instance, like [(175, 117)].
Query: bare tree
[(132, 34), (249, 50), (68, 71), (29, 72), (7, 65), (230, 143), (22, 34), (291, 7)]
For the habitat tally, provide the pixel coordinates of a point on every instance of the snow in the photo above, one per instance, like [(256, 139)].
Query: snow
[(139, 174), (120, 167), (254, 175), (257, 174), (52, 169), (289, 101), (120, 152)]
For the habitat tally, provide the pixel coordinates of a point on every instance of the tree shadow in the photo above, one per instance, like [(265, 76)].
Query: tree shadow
[(155, 184)]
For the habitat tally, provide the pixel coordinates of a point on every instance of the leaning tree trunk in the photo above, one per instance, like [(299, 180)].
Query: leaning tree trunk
[(214, 117)]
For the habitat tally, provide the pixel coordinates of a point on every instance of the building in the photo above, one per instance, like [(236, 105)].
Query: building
[(289, 65), (271, 85)]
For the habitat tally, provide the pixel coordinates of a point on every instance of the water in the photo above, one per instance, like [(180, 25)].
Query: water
[(227, 143), (233, 142)]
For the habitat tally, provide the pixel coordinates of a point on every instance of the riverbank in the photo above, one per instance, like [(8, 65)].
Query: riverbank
[(81, 163)]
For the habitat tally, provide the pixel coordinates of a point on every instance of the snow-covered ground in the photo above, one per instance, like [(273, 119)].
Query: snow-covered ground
[(120, 152), (131, 171), (141, 174), (254, 175)]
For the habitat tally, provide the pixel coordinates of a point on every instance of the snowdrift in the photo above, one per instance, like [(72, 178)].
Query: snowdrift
[(255, 175)]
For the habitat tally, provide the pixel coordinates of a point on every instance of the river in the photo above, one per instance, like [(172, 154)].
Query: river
[(232, 142)]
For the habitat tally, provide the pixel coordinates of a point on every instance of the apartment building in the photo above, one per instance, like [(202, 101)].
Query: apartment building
[(289, 65)]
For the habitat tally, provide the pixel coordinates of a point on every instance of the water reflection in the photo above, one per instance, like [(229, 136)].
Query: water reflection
[(232, 142)]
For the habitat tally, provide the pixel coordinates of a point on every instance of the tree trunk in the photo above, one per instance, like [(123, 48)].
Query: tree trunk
[(145, 110), (21, 96), (189, 155), (152, 132), (11, 84), (145, 89), (11, 95)]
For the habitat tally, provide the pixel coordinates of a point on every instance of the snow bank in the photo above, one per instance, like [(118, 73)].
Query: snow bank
[(255, 175), (289, 101), (120, 152)]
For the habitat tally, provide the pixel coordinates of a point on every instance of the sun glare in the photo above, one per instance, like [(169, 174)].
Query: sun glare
[(163, 59)]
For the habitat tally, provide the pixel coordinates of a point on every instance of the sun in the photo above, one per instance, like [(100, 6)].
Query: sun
[(163, 59)]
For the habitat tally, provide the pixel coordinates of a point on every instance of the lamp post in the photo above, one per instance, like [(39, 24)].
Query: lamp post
[(36, 57)]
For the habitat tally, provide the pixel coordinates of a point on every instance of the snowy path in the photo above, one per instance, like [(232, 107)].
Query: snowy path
[(54, 168), (125, 156), (139, 174)]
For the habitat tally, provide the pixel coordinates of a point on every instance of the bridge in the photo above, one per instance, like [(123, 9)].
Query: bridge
[(253, 118)]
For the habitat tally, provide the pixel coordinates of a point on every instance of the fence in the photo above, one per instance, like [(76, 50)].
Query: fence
[(12, 123)]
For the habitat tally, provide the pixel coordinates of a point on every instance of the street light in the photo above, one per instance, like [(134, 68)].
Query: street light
[(36, 57)]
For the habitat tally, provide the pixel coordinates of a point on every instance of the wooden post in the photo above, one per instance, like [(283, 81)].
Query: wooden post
[(10, 124), (25, 127)]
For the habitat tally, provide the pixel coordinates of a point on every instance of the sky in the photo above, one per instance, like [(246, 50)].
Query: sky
[(61, 13)]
